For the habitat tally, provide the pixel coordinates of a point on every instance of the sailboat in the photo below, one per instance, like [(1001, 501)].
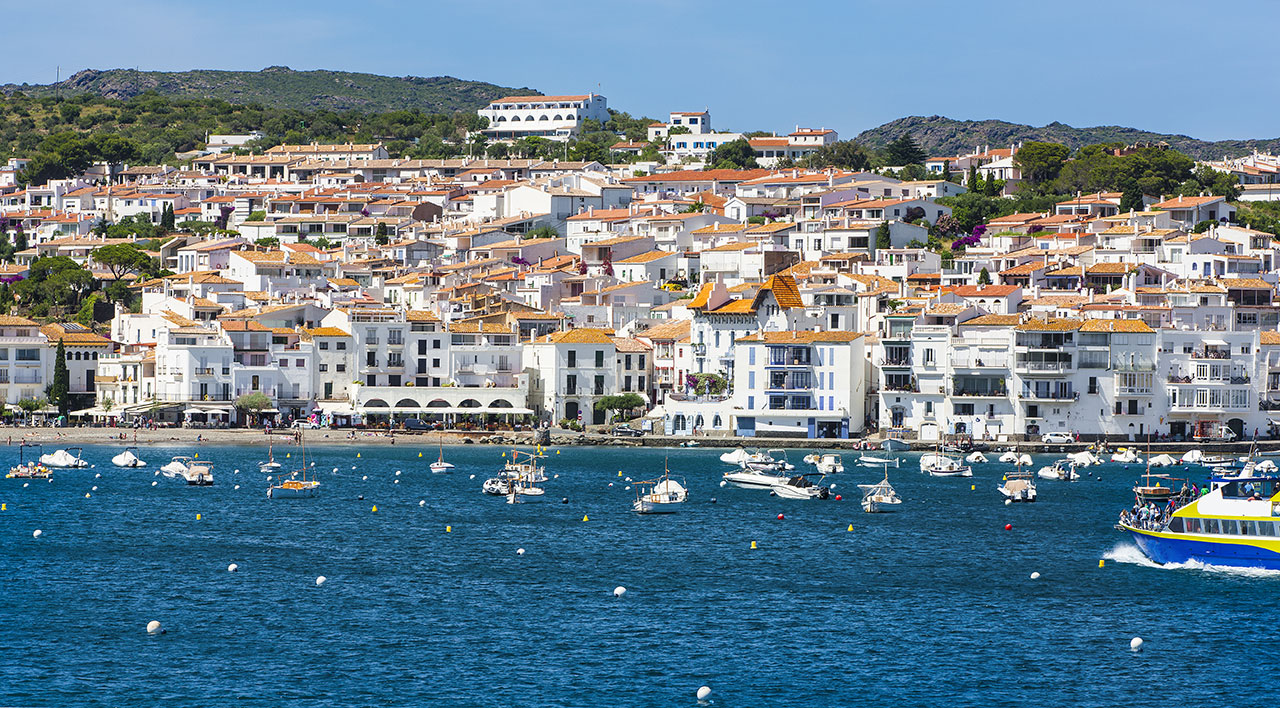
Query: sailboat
[(440, 466), (1018, 486), (880, 497), (660, 496), (517, 478), (270, 465), (297, 486), (939, 464)]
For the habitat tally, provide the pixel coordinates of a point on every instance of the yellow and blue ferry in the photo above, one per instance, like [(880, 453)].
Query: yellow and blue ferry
[(1235, 523)]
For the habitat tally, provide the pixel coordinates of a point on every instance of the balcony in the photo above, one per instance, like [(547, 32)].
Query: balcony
[(912, 387), (979, 363), (1133, 390), (1218, 354), (979, 393), (204, 372), (1044, 368), (1032, 394)]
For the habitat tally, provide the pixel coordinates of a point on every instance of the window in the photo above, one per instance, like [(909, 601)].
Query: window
[(284, 363), (341, 367), (640, 362), (598, 389), (573, 358), (599, 358), (640, 384), (371, 358), (627, 362), (299, 363), (571, 384), (324, 346), (342, 346), (435, 344), (324, 368)]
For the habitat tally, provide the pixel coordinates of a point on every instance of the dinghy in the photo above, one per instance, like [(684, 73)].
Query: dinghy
[(127, 459)]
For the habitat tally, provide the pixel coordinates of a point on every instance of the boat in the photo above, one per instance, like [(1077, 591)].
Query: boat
[(880, 497), (64, 459), (127, 459), (297, 486), (826, 464), (690, 443), (440, 466), (895, 445), (176, 467), (976, 458), (939, 464), (1010, 457), (757, 460), (1061, 470), (1162, 461), (198, 474), (753, 479), (29, 469), (1231, 524), (659, 496), (1192, 457), (1126, 455), (1084, 458), (527, 469), (801, 487), (1018, 486), (504, 487), (870, 461), (270, 465), (518, 478)]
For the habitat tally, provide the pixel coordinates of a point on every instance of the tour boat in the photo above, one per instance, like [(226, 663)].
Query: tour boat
[(659, 496), (64, 459), (198, 474), (1018, 486), (880, 497), (895, 445), (176, 467), (871, 461), (938, 464), (1233, 524), (826, 464), (801, 487), (270, 465), (297, 486), (440, 466), (127, 459), (1061, 470), (506, 486), (28, 469)]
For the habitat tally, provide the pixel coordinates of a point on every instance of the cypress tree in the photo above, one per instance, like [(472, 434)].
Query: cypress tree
[(60, 391), (973, 178)]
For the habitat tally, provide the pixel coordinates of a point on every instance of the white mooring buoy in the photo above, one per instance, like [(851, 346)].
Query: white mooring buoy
[(320, 580), (619, 591), (153, 627), (1135, 644)]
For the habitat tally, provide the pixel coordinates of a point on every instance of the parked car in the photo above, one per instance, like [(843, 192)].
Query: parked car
[(415, 424), (1057, 438), (627, 432), (305, 425)]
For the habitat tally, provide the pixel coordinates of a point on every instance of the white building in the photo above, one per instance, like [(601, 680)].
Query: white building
[(552, 117), (804, 384)]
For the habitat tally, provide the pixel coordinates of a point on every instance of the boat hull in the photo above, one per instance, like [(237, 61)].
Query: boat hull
[(750, 480), (644, 506), (1241, 552), (441, 467), (287, 493)]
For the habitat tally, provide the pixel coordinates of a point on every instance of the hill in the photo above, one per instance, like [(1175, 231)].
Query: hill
[(941, 136), (282, 87)]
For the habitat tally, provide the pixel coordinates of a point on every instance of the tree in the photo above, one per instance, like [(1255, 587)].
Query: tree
[(543, 232), (106, 404), (991, 186), (984, 277), (733, 155), (904, 151), (623, 402), (167, 218), (31, 405), (253, 403), (1131, 200), (60, 392), (883, 236), (257, 215), (1041, 162), (380, 236), (121, 258), (844, 154), (269, 242), (85, 315), (972, 183)]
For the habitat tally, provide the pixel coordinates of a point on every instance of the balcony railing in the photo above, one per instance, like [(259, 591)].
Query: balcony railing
[(1210, 354), (1050, 395), (979, 393), (1043, 367)]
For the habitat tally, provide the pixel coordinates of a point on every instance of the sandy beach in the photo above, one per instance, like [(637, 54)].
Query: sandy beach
[(234, 436)]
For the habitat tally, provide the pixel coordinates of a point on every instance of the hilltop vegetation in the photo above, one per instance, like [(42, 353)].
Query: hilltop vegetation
[(282, 87), (941, 136)]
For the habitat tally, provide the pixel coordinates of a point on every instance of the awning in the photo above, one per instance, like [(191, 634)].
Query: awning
[(341, 408), (97, 410), (269, 411), (435, 411), (194, 411), (1214, 343)]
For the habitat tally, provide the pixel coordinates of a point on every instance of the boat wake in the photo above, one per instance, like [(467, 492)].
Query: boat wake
[(1129, 553)]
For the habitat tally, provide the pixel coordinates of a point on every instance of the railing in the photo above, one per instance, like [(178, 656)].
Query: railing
[(1132, 390), (1043, 366), (1210, 354), (980, 363), (979, 393), (903, 388), (204, 372), (1050, 395)]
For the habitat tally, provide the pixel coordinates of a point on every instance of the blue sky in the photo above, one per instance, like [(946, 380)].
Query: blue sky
[(1167, 66)]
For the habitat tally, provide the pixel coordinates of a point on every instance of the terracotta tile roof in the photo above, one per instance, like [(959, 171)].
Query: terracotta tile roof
[(984, 290), (421, 316), (735, 307), (784, 291), (627, 346), (13, 321), (1269, 337), (1052, 324), (647, 257), (1130, 326), (699, 176), (1187, 202), (700, 300), (57, 332), (1110, 268), (576, 336), (672, 330), (327, 332), (992, 321), (1024, 269), (1246, 283)]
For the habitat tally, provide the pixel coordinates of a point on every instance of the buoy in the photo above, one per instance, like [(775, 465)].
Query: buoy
[(237, 486), (753, 545), (98, 476), (360, 498), (556, 477), (564, 500), (232, 568), (557, 452), (287, 455), (781, 517), (703, 692), (472, 477), (422, 502), (197, 517), (320, 580), (153, 627), (619, 591), (1135, 644), (628, 479), (86, 495), (611, 484), (772, 493), (839, 498), (28, 484), (238, 471), (335, 470), (713, 500), (197, 455), (37, 533), (1102, 563), (419, 454), (152, 484), (972, 487), (448, 529), (357, 454), (831, 486), (619, 473), (519, 551), (1035, 576), (627, 488), (375, 508), (850, 528), (723, 483), (396, 482), (4, 507), (1007, 502), (397, 473), (157, 473), (1008, 527), (364, 478)]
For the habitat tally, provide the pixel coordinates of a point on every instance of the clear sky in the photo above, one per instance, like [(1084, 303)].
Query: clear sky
[(1169, 66)]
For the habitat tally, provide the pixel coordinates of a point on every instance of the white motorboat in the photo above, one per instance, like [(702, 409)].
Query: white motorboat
[(1083, 458), (753, 479), (440, 466), (870, 461), (527, 469), (758, 460), (1018, 488), (938, 464), (176, 467), (879, 498), (659, 496), (505, 487), (1062, 470), (826, 464), (895, 445), (63, 459), (198, 474), (1193, 456), (127, 459), (1009, 457), (1162, 461), (801, 487), (976, 458), (1126, 456), (270, 465)]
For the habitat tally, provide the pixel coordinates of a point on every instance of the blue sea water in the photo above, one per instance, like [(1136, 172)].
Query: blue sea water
[(929, 606)]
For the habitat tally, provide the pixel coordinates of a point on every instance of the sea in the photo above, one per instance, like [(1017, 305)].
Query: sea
[(429, 601)]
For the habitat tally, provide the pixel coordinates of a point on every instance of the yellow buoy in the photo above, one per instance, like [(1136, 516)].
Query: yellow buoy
[(619, 473), (504, 454), (357, 454), (375, 508), (197, 456), (448, 529), (972, 487), (1101, 563), (1005, 478), (197, 517), (557, 452), (584, 517), (287, 455), (4, 507), (419, 454), (850, 527), (753, 545)]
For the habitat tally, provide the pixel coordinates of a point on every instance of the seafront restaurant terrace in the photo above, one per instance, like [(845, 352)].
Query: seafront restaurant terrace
[(449, 405)]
